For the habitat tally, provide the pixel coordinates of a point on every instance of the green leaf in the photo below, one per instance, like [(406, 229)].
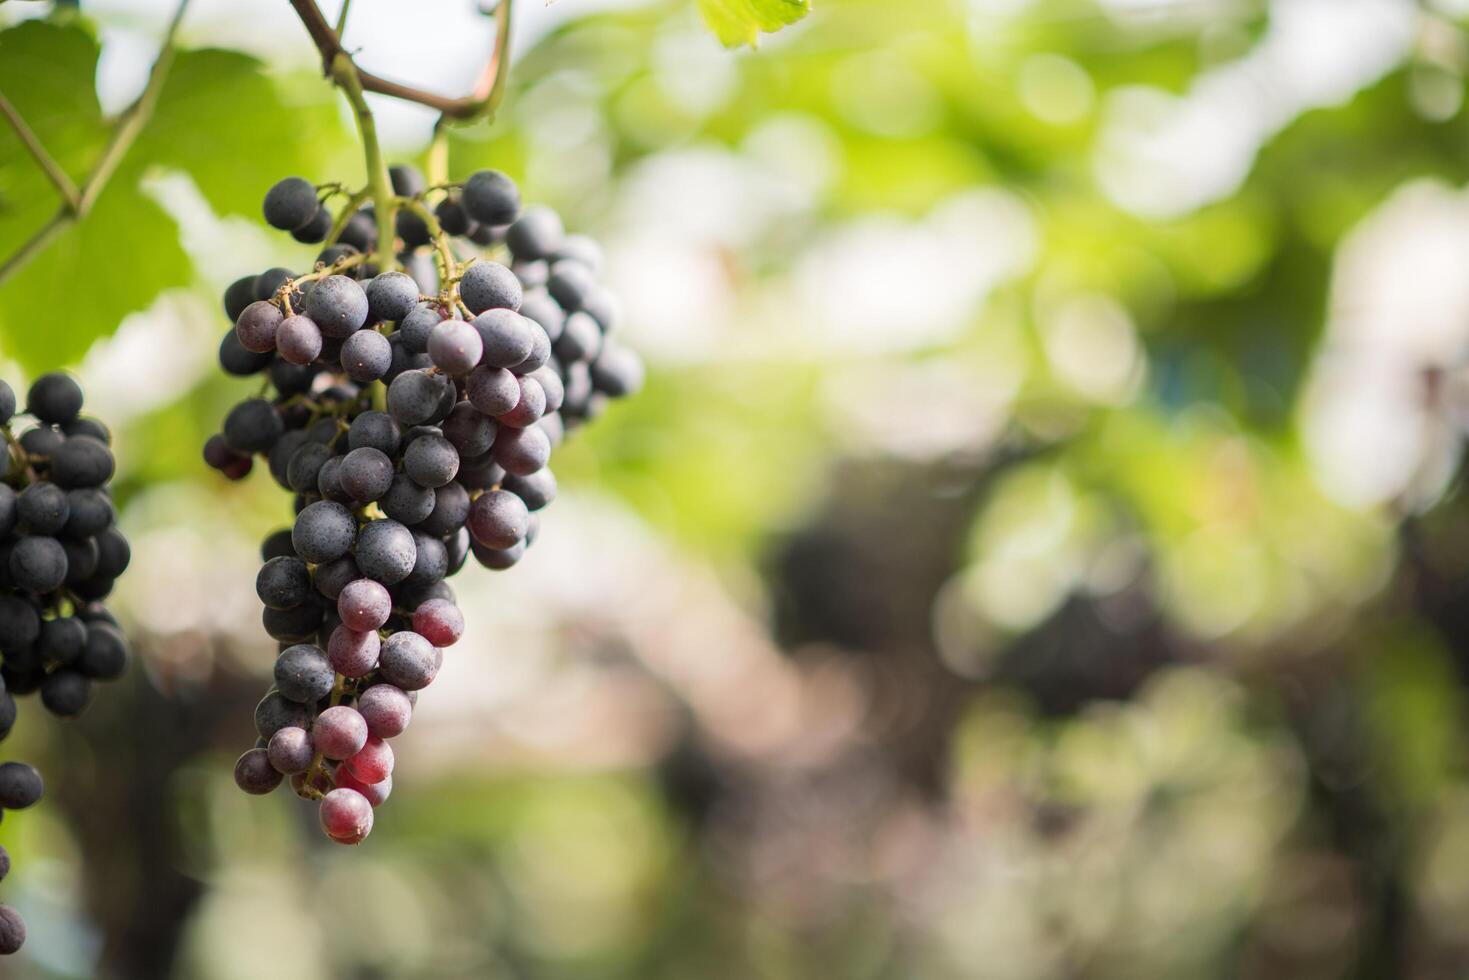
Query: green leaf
[(222, 121), (113, 263), (737, 22)]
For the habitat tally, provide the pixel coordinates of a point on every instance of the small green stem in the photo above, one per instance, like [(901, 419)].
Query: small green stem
[(342, 17), (348, 209), (344, 73), (442, 254), (438, 156)]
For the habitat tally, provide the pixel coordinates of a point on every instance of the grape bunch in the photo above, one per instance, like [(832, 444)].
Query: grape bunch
[(60, 553), (412, 414)]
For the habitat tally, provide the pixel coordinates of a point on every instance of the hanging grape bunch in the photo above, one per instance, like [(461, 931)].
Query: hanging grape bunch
[(412, 413), (59, 556)]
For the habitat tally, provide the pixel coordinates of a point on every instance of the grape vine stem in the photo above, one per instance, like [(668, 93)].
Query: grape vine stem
[(126, 131), (485, 98), (64, 186)]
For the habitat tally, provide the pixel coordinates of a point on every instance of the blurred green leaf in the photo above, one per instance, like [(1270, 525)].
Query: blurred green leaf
[(737, 22), (222, 121), (95, 272), (216, 111)]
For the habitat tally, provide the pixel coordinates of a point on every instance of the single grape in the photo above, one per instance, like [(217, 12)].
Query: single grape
[(239, 362), (105, 656), (238, 295), (386, 709), (617, 371), (583, 249), (498, 559), (414, 396), (407, 661), (376, 430), (570, 283), (254, 774), (451, 509), (364, 605), (252, 426), (540, 307), (12, 930), (531, 273), (283, 583), (455, 347), (90, 512), (303, 472), (522, 451), (540, 351), (413, 230), (406, 501), (38, 564), (291, 750), (62, 640), (298, 339), (43, 508), (366, 355), (469, 430), (417, 325), (536, 234), (365, 474), (601, 305), (506, 337), (430, 562), (339, 732), (338, 305), (257, 326), (290, 203), (328, 483), (54, 398), (20, 785), (303, 674), (316, 228), (324, 531), (528, 408), (391, 296), (453, 219), (296, 625), (41, 441), (333, 576), (439, 621), (353, 654), (360, 231), (493, 390), (373, 763), (82, 461), (491, 198), (580, 340), (498, 519), (385, 551), (407, 180), (66, 693), (81, 559), (346, 816), (431, 461), (375, 793), (277, 545), (489, 285)]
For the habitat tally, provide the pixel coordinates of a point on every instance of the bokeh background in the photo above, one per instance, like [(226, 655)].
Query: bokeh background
[(1038, 552)]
